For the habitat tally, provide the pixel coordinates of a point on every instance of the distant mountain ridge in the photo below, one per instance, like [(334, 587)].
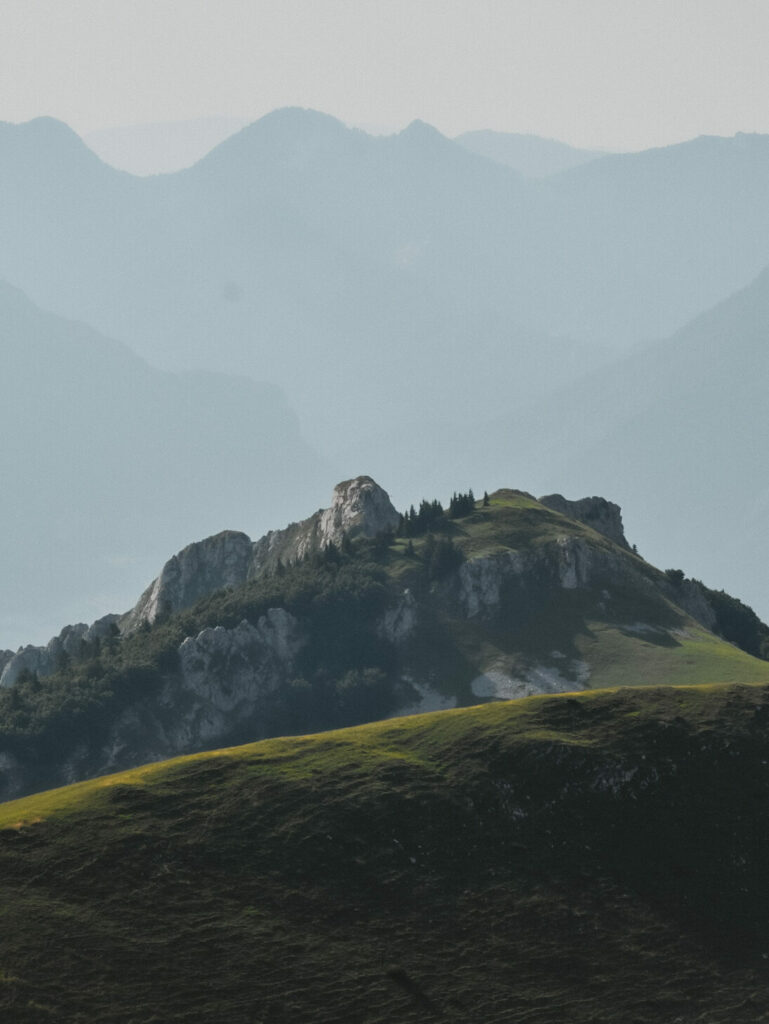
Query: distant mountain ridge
[(162, 147), (108, 462), (532, 155), (411, 297)]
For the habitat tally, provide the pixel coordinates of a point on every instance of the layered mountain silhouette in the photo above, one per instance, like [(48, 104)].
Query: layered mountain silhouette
[(419, 303), (106, 461), (624, 247), (532, 155), (160, 147)]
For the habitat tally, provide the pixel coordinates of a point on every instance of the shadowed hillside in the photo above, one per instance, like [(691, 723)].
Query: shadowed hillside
[(593, 857)]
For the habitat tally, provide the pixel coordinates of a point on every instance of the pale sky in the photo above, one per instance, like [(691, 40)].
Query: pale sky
[(614, 74)]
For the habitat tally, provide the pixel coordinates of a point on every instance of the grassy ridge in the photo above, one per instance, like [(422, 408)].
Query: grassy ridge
[(591, 857)]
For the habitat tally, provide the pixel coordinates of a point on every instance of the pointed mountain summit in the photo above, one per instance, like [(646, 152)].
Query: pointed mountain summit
[(359, 508), (290, 135), (48, 150)]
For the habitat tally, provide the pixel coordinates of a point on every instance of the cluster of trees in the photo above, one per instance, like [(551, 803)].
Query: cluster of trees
[(461, 504), (417, 523), (429, 516)]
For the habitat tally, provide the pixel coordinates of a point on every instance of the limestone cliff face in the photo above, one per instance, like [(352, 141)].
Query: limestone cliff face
[(195, 572), (601, 515), (227, 671), (359, 508), (691, 596), (219, 693), (69, 644), (569, 563)]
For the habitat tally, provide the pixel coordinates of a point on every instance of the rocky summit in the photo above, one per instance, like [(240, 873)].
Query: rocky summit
[(359, 508)]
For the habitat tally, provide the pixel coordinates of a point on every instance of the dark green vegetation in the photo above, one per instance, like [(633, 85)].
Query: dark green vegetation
[(623, 629), (599, 858), (735, 621)]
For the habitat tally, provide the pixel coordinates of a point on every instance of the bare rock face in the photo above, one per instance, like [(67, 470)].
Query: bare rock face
[(690, 595), (44, 661), (599, 514), (359, 508), (198, 570), (399, 622), (228, 667)]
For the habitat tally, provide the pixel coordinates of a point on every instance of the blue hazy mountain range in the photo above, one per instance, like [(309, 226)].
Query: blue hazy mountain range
[(621, 249), (433, 317), (167, 146), (109, 464), (530, 154)]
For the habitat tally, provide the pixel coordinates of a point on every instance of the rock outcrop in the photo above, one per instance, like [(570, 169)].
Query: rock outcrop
[(359, 508), (196, 571), (219, 693), (70, 644), (601, 515)]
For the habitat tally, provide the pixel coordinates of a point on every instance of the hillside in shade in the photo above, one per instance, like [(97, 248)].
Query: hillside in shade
[(591, 857)]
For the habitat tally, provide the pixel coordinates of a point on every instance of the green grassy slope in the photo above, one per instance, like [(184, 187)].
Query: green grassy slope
[(591, 858), (629, 635)]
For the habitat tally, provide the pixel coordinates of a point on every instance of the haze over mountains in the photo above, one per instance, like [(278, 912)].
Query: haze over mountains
[(677, 431), (531, 155), (432, 316), (106, 461), (162, 147)]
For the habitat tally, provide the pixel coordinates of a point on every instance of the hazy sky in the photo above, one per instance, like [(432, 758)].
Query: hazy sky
[(620, 74)]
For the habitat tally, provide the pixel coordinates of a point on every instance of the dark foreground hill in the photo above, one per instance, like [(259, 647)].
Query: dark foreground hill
[(596, 857)]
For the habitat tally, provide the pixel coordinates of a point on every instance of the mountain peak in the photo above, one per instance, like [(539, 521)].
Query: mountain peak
[(422, 131), (359, 508), (44, 144), (291, 135)]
